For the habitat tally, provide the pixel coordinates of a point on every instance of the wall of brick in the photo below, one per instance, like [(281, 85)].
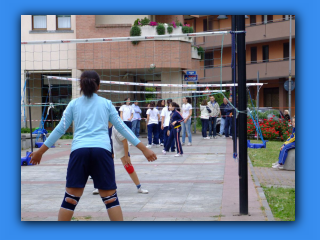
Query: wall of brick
[(169, 18)]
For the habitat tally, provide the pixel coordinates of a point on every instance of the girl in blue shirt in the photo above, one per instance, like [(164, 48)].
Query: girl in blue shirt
[(91, 149), (174, 129)]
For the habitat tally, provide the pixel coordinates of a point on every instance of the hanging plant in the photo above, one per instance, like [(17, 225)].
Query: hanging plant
[(170, 29), (145, 21), (160, 29), (200, 52), (134, 32)]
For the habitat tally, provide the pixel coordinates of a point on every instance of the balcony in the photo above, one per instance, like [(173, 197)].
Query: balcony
[(273, 69), (256, 33)]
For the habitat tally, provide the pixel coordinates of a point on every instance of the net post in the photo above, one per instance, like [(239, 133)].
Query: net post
[(28, 80), (234, 93), (243, 150)]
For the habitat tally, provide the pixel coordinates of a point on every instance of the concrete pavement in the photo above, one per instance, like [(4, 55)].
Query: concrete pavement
[(203, 185)]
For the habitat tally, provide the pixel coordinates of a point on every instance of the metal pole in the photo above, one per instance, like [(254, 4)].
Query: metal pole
[(258, 103), (28, 79), (290, 40), (234, 93), (243, 155), (194, 114)]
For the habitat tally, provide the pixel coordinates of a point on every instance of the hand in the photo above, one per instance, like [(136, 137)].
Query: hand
[(185, 121), (35, 157), (168, 133), (129, 119), (126, 160), (150, 155), (174, 122), (162, 127), (281, 148)]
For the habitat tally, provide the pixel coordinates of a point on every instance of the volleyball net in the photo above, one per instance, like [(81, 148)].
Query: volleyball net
[(143, 68)]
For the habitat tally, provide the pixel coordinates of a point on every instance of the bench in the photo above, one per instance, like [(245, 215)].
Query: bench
[(290, 161)]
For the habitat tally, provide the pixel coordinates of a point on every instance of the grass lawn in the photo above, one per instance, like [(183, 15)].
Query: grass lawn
[(264, 157), (281, 202)]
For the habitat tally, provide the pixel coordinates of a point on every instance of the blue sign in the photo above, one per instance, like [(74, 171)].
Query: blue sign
[(191, 73), (191, 78)]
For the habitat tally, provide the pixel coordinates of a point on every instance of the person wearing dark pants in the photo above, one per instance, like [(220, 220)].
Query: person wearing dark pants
[(215, 111), (228, 119), (160, 107), (165, 122), (175, 129), (153, 117), (205, 111)]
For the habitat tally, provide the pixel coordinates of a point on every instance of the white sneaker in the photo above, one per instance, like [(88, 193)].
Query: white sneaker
[(206, 138), (276, 166), (223, 136), (161, 144), (215, 137), (149, 146), (178, 155), (152, 144), (274, 163), (281, 167), (230, 136), (189, 144), (182, 144), (157, 145), (164, 152), (140, 190), (96, 191), (130, 144)]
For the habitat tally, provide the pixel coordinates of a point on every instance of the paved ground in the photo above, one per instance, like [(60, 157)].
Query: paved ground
[(203, 185), (275, 177)]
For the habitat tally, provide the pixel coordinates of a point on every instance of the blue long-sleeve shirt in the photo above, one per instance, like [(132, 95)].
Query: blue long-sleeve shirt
[(175, 116), (91, 117)]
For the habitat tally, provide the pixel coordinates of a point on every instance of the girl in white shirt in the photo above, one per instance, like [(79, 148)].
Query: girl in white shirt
[(205, 110), (153, 118)]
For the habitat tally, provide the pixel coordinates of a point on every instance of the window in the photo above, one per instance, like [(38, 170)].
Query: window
[(208, 59), (270, 18), (253, 54), (285, 51), (265, 53), (205, 28), (271, 97), (253, 20), (63, 22), (39, 22)]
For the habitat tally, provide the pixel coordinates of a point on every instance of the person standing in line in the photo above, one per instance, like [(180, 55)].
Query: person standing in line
[(186, 124), (205, 111), (160, 106), (223, 116), (231, 121), (153, 117), (215, 111), (136, 119), (228, 120), (174, 129), (126, 113), (90, 151), (165, 121)]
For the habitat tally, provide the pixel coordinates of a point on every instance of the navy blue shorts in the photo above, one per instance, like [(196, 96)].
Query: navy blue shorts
[(96, 162)]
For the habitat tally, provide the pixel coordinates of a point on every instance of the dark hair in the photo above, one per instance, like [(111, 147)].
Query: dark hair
[(188, 100), (89, 82), (169, 101), (152, 104), (204, 102), (126, 99), (175, 105), (159, 104)]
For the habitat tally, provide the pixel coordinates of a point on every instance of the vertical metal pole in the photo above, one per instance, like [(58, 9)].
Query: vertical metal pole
[(234, 94), (28, 79), (194, 114), (50, 99), (243, 155), (258, 102), (290, 40)]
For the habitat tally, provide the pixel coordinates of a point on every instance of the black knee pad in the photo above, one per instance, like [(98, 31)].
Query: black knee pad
[(115, 203), (67, 205)]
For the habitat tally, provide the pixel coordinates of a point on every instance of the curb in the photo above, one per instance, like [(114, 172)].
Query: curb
[(261, 193)]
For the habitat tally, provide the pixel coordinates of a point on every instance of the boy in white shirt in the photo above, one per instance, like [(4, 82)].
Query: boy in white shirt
[(120, 150), (153, 118), (126, 113)]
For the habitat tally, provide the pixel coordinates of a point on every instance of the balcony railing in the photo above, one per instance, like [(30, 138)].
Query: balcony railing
[(273, 69)]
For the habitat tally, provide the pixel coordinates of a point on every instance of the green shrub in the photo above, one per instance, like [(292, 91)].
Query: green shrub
[(135, 31), (201, 52), (151, 96), (145, 21), (136, 22), (170, 29), (27, 130), (161, 29)]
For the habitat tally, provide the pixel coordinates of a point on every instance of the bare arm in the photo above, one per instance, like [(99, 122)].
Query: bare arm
[(126, 157), (162, 120), (121, 115), (36, 156)]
